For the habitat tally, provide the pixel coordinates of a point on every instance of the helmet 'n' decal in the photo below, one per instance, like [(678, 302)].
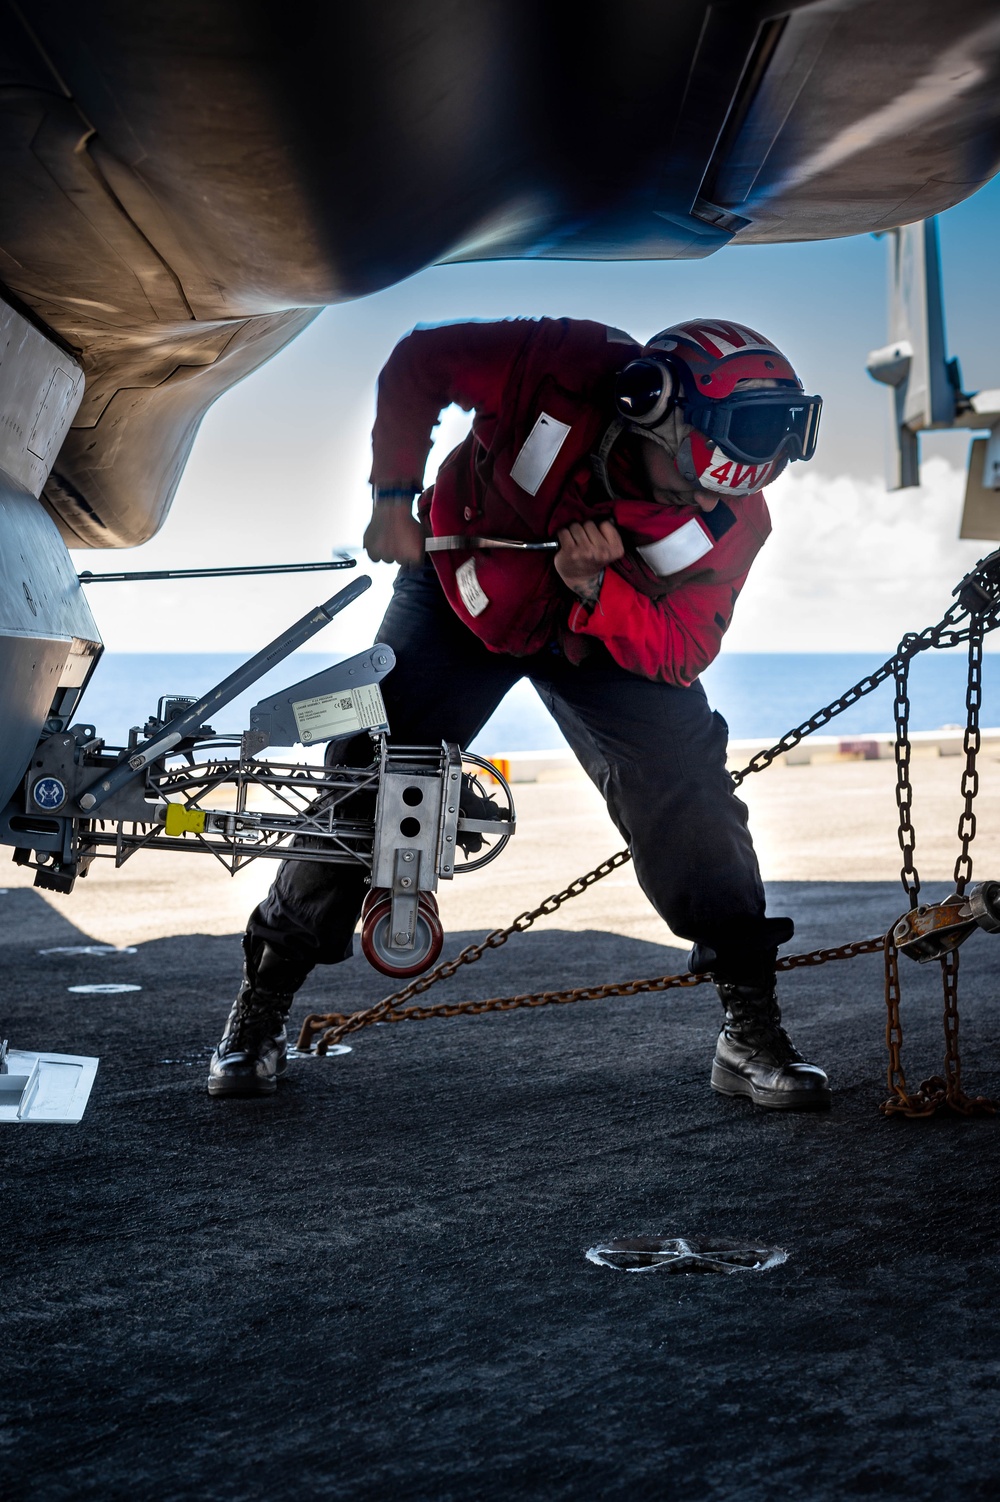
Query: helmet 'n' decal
[(719, 339)]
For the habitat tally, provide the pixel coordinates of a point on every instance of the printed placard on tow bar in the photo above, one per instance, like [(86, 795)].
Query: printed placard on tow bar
[(332, 715)]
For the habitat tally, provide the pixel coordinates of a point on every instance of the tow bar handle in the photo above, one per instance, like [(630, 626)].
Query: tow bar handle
[(251, 570)]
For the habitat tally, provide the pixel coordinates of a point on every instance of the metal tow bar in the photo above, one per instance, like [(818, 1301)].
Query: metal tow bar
[(406, 818)]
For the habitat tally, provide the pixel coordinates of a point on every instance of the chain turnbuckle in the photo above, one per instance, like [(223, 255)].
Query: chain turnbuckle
[(936, 928)]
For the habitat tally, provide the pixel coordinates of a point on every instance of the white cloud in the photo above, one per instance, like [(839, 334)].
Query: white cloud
[(231, 509), (850, 567)]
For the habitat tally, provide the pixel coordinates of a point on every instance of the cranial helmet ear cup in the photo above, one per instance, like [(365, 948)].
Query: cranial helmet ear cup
[(645, 391)]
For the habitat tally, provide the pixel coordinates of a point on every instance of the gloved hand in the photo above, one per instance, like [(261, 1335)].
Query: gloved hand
[(474, 803), (393, 535)]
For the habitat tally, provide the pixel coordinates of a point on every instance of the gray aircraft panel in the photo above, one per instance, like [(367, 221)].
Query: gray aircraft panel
[(49, 643), (182, 187)]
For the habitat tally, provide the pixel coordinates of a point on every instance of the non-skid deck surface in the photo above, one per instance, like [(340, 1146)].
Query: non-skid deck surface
[(374, 1285)]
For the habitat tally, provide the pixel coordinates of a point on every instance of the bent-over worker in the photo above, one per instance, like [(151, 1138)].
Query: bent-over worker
[(647, 465)]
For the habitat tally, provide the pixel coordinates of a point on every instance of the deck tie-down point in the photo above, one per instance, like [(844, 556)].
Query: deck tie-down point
[(684, 1254)]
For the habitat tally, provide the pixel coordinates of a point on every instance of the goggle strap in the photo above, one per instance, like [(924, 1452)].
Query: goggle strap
[(599, 459)]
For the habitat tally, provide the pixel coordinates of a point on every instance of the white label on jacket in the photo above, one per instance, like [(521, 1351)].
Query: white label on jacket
[(332, 715), (473, 598), (538, 453), (679, 550)]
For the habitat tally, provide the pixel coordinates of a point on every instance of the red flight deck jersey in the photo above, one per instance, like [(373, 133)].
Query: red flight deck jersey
[(542, 394)]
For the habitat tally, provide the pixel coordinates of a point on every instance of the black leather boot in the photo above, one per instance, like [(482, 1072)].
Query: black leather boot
[(251, 1056), (755, 1056)]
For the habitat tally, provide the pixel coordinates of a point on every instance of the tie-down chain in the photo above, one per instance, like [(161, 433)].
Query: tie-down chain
[(925, 932)]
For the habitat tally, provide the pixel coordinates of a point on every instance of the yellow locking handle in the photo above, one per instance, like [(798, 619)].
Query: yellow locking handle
[(181, 820)]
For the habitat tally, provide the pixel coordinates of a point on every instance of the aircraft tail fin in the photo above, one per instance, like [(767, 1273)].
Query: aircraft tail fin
[(925, 385)]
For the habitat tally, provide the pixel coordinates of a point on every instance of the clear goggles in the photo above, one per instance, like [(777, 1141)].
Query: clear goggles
[(754, 427)]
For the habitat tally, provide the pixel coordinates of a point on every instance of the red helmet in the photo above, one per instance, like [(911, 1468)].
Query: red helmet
[(736, 392)]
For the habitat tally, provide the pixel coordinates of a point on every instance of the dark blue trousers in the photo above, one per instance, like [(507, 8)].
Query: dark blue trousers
[(657, 754)]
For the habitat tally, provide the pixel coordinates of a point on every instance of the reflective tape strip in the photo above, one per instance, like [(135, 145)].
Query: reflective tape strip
[(678, 551), (459, 543)]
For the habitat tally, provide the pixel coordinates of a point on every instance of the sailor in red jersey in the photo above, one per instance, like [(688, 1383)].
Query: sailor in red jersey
[(526, 471), (644, 466)]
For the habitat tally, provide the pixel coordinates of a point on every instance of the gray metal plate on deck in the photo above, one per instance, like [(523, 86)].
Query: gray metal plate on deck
[(45, 1087)]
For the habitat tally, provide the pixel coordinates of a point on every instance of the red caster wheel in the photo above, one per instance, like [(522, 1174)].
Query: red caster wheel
[(381, 894), (375, 936), (373, 895)]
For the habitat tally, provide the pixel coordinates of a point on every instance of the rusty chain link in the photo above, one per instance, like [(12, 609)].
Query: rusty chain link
[(447, 968), (948, 1091), (335, 1024), (950, 1086), (904, 788), (899, 1102), (978, 597), (940, 1091), (970, 745), (947, 633)]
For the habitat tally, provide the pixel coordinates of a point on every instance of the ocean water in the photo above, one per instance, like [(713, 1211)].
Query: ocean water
[(759, 693)]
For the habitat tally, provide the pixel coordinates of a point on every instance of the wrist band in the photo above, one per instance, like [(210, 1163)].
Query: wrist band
[(394, 495)]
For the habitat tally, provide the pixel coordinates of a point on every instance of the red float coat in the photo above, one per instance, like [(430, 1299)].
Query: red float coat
[(542, 394)]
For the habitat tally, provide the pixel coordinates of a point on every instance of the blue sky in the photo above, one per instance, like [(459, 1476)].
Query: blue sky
[(280, 465)]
